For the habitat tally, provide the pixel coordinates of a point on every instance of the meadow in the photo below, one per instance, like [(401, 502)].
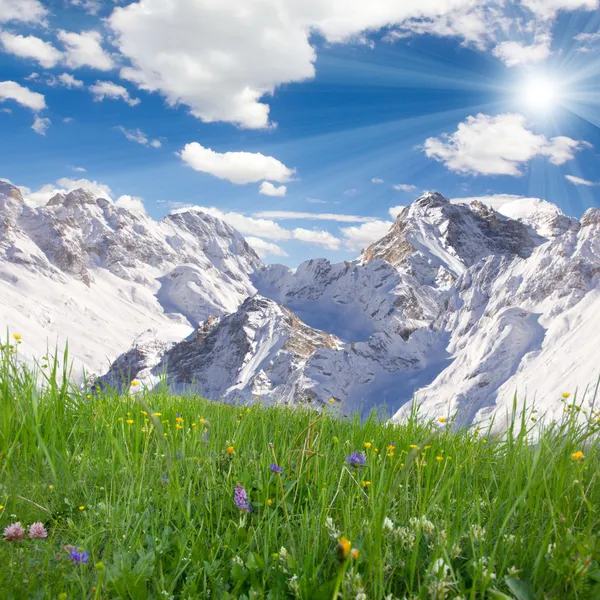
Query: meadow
[(147, 495)]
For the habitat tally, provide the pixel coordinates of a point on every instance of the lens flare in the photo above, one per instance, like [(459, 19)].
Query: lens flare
[(541, 93)]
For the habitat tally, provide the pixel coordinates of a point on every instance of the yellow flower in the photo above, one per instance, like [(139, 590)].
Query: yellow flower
[(82, 508), (179, 419), (355, 553), (577, 455), (426, 447), (230, 450), (1, 507), (366, 483), (367, 445), (194, 425), (269, 502), (343, 549), (17, 336), (414, 447), (164, 435), (566, 395), (156, 415), (438, 458), (332, 400), (135, 382), (390, 454), (201, 421), (144, 412), (120, 419), (178, 426), (376, 449), (129, 421), (50, 487), (391, 447), (442, 419)]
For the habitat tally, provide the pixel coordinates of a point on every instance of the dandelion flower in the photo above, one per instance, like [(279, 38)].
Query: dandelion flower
[(332, 400), (439, 458), (14, 533), (134, 383), (79, 556), (129, 421), (367, 445), (390, 454), (37, 531), (178, 426), (414, 447), (442, 419), (230, 450), (17, 336), (269, 502), (577, 455), (276, 469), (343, 549), (240, 498), (356, 459), (201, 421), (82, 508), (366, 484), (179, 419), (566, 395), (156, 414)]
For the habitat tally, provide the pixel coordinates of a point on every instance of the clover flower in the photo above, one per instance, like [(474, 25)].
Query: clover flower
[(79, 556), (276, 469), (240, 497), (356, 459), (14, 533), (37, 531)]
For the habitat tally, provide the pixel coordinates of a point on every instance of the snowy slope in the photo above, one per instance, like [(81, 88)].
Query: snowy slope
[(83, 270)]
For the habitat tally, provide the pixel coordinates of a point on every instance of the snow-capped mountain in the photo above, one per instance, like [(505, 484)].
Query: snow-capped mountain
[(459, 306), (84, 270)]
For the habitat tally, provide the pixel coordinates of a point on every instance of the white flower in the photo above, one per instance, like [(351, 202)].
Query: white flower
[(388, 524)]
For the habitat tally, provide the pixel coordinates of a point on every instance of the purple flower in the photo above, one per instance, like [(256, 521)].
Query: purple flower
[(14, 533), (241, 498), (356, 459), (79, 556), (276, 469), (37, 531)]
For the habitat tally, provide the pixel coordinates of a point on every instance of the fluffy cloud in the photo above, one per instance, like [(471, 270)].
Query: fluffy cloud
[(264, 248), (269, 229), (31, 47), (131, 203), (500, 145), (547, 9), (579, 181), (288, 214), (359, 237), (139, 137), (108, 89), (67, 80), (268, 189), (237, 167), (40, 125), (28, 11), (63, 186), (405, 187), (394, 211), (85, 50), (515, 54), (10, 90), (376, 180), (90, 6)]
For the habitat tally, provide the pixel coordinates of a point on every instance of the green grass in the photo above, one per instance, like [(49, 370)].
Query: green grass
[(153, 505)]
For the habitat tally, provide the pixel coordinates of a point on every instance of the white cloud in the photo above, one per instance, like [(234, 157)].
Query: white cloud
[(31, 47), (500, 145), (27, 11), (288, 214), (514, 54), (394, 211), (139, 137), (495, 201), (264, 248), (10, 90), (359, 237), (267, 228), (268, 189), (90, 6), (85, 50), (40, 125), (237, 167), (376, 180), (351, 192), (405, 187), (579, 181), (131, 203), (78, 169), (547, 9), (108, 89), (67, 80)]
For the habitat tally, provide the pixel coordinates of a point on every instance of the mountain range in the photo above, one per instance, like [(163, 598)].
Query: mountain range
[(457, 308)]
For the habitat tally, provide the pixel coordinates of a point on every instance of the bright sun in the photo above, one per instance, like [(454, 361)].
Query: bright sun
[(541, 93)]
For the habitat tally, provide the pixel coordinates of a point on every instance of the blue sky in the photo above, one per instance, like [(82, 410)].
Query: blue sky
[(472, 99)]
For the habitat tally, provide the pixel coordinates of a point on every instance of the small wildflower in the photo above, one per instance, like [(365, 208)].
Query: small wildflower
[(179, 419), (355, 553), (1, 507), (37, 531), (135, 383), (513, 571), (79, 556), (276, 469), (50, 487), (14, 533), (269, 502), (144, 413), (566, 395), (442, 419), (356, 459), (82, 508), (230, 450), (366, 484), (129, 421), (201, 421), (390, 454), (178, 426), (241, 498), (343, 549), (17, 336), (156, 414), (439, 458), (414, 447), (577, 455), (367, 445), (332, 400)]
